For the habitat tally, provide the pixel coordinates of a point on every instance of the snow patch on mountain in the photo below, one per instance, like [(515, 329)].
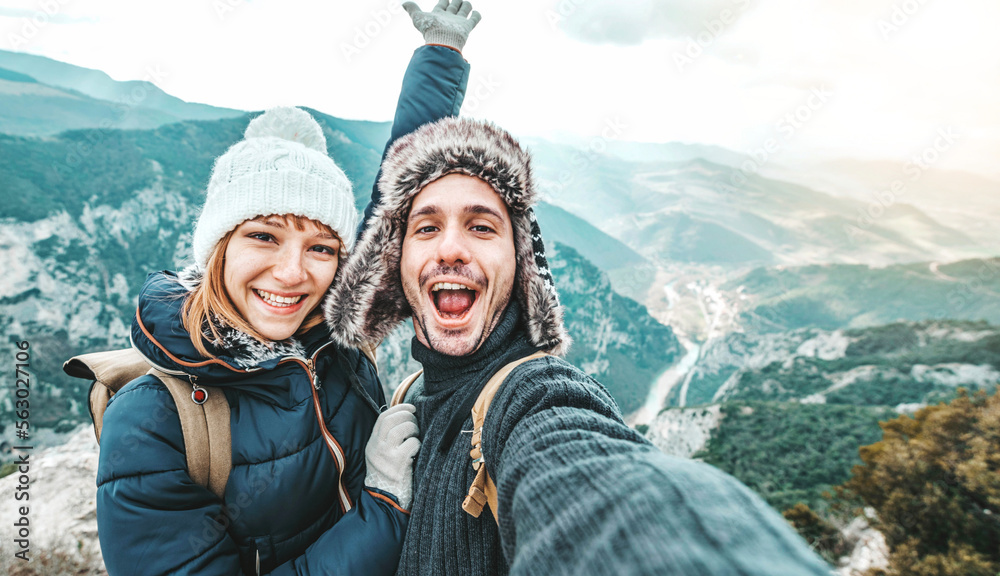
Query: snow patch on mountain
[(953, 374)]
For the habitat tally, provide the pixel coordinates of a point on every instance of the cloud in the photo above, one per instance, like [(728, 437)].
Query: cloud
[(630, 22), (55, 18)]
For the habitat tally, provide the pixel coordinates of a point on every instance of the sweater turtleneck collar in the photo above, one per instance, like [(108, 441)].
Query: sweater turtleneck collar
[(508, 341)]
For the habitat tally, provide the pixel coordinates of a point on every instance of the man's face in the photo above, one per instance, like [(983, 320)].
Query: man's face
[(458, 263)]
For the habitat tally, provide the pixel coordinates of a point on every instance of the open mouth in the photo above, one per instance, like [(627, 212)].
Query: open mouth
[(278, 301), (452, 300)]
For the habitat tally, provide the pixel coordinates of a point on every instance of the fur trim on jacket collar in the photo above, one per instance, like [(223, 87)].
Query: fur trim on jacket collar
[(368, 300)]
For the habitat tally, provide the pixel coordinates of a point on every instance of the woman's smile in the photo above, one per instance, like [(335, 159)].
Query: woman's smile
[(278, 301)]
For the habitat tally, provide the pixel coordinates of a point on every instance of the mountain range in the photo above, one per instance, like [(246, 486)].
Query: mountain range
[(696, 204), (40, 96)]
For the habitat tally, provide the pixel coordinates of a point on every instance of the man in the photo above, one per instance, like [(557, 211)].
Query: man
[(454, 244)]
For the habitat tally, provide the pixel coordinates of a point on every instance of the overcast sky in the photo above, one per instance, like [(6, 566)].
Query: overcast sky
[(864, 78)]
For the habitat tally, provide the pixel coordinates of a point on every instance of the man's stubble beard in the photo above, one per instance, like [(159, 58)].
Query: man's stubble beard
[(444, 346)]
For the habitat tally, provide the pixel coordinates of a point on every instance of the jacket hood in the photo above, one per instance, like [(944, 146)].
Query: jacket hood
[(368, 300), (158, 334)]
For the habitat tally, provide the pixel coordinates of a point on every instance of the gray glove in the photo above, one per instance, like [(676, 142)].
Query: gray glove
[(391, 451), (447, 24)]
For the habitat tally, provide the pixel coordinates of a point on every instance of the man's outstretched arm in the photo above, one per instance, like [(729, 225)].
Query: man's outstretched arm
[(582, 493), (436, 78)]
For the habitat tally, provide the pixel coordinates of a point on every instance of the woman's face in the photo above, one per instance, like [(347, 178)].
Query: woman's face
[(276, 275)]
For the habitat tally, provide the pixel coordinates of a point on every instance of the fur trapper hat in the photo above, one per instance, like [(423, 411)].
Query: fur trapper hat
[(368, 300), (280, 167)]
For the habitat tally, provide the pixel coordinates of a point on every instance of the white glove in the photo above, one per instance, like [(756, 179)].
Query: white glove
[(391, 451), (447, 24)]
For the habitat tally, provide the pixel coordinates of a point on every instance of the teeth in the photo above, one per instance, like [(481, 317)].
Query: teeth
[(279, 301), (449, 286)]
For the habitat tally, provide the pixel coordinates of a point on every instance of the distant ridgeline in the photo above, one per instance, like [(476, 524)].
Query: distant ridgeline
[(841, 296), (89, 213), (40, 96)]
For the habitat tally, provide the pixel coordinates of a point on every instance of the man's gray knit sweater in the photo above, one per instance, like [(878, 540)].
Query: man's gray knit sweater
[(579, 491)]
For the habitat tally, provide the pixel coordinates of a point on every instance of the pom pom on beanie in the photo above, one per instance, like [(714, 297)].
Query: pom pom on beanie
[(292, 124)]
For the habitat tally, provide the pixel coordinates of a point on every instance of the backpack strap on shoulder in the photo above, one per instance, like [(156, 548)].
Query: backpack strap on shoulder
[(110, 371), (203, 411), (399, 396), (368, 349), (483, 491), (208, 443)]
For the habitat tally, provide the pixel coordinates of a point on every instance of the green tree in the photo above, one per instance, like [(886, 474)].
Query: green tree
[(933, 482)]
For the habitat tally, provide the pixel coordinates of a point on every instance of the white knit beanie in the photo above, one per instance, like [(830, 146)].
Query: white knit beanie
[(280, 167)]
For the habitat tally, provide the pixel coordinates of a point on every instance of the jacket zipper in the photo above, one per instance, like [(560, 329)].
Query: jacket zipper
[(313, 376), (340, 460), (309, 364)]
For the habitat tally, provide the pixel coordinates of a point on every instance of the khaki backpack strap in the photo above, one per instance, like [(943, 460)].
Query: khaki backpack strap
[(483, 491), (400, 394), (206, 427), (207, 433), (99, 398), (368, 349), (110, 371)]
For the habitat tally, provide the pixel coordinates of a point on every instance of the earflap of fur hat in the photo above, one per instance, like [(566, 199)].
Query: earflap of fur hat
[(537, 290), (369, 302)]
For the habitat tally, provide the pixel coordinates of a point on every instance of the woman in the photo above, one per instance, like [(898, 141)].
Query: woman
[(246, 318)]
